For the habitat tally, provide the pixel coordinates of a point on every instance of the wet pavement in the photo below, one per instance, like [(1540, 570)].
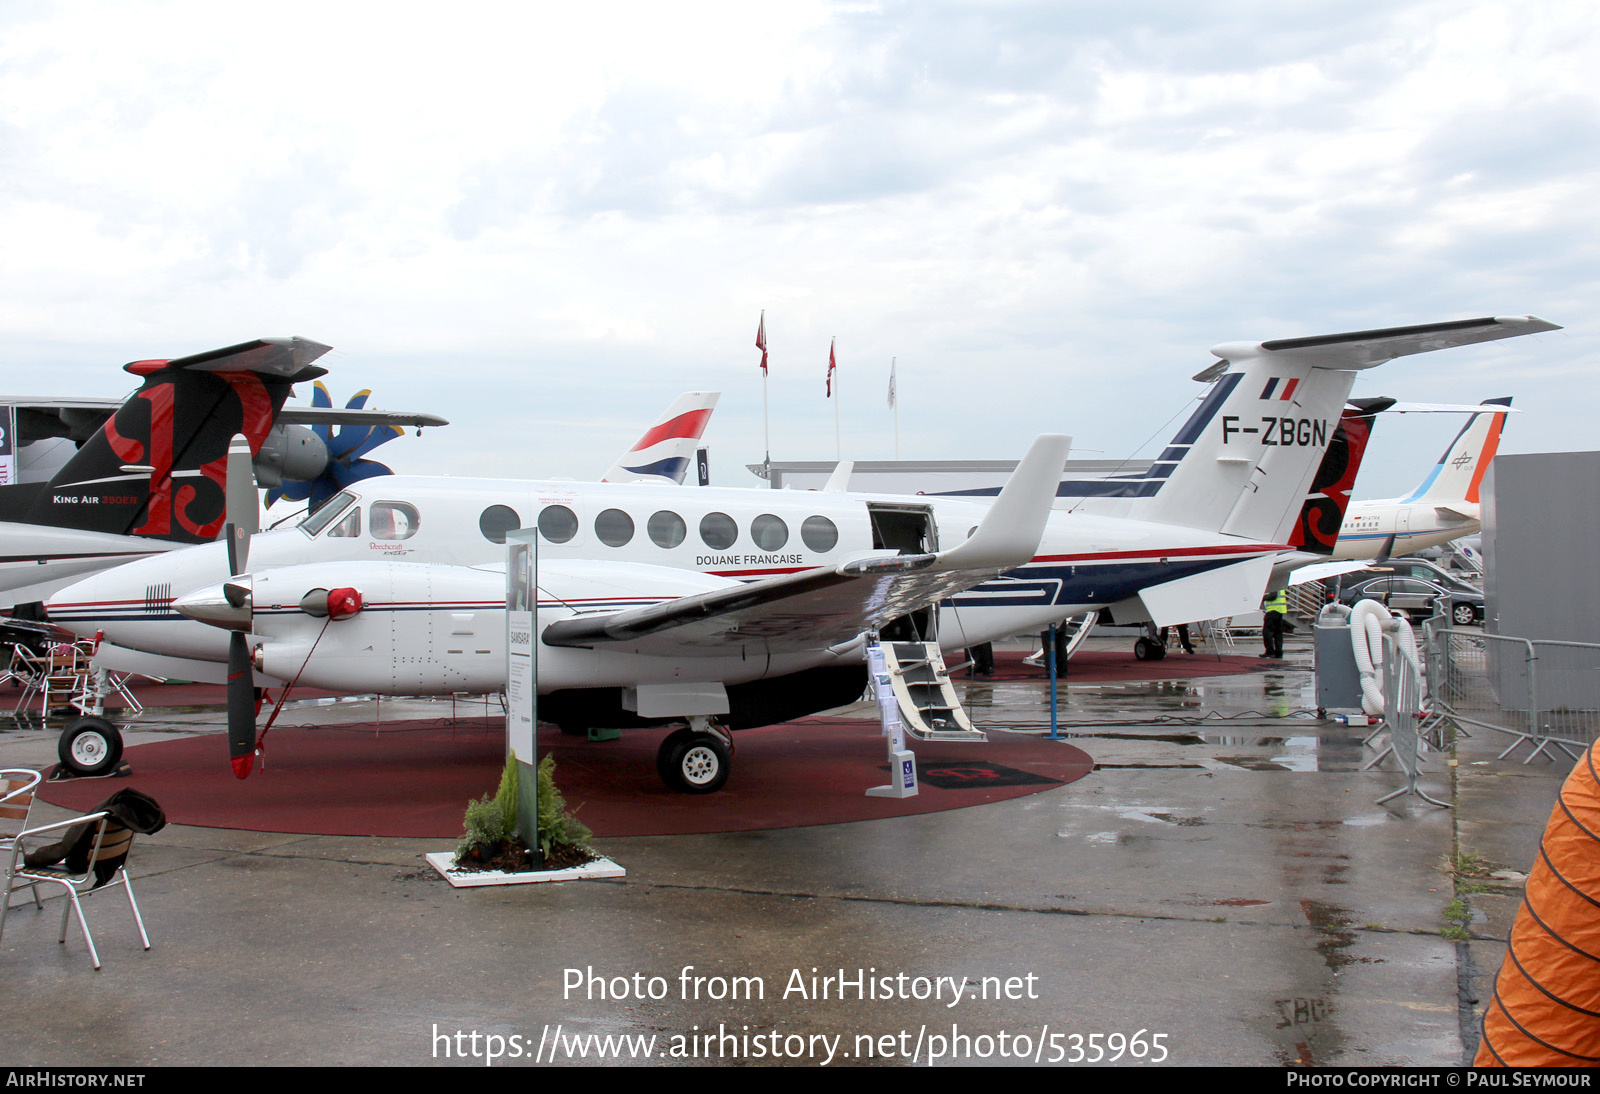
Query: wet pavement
[(1220, 890)]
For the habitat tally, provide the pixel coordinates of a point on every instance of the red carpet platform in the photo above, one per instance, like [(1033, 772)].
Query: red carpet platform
[(1112, 666), (414, 779)]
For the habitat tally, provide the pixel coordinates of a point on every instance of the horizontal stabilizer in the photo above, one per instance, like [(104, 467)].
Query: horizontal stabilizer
[(1231, 590), (1366, 348), (334, 415), (1460, 510)]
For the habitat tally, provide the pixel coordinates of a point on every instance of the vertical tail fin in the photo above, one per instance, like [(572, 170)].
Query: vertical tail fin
[(667, 449), (1459, 473), (157, 467), (1244, 462), (1316, 530)]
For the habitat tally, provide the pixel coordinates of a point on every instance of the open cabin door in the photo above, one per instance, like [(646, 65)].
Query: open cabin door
[(906, 529)]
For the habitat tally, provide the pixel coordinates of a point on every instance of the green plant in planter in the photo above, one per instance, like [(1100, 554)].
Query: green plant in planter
[(491, 826), (491, 821), (557, 827)]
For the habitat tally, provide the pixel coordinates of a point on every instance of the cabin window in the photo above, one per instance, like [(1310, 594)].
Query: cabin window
[(769, 532), (495, 521), (819, 533), (718, 530), (319, 517), (666, 529), (393, 520), (557, 523), (347, 526), (613, 527)]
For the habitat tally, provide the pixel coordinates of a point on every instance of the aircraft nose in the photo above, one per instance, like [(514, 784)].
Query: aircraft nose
[(227, 604)]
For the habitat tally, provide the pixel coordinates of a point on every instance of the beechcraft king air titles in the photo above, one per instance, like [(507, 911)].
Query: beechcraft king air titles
[(648, 591)]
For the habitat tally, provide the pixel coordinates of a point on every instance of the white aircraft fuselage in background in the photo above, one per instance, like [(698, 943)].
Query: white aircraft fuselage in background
[(1446, 506)]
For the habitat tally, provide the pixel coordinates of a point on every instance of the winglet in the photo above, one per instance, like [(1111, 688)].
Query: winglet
[(1009, 533)]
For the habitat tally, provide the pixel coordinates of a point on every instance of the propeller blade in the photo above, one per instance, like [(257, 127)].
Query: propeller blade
[(241, 706), (243, 510)]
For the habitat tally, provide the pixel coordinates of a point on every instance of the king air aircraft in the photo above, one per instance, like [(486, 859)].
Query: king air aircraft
[(660, 605)]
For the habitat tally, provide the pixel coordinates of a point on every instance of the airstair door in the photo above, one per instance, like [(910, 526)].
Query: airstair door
[(908, 530)]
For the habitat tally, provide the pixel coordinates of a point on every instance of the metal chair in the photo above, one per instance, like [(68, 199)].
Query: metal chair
[(17, 785), (90, 857)]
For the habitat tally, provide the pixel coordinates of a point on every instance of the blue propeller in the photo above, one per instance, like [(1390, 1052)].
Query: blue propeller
[(345, 451)]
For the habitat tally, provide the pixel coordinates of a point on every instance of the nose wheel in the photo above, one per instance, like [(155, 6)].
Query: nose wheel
[(697, 760)]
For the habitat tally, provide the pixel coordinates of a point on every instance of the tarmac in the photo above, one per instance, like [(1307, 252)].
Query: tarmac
[(1220, 890)]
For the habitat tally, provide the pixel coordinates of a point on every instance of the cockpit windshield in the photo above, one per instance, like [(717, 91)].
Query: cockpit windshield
[(320, 519)]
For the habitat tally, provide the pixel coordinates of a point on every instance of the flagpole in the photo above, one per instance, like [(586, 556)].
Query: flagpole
[(766, 420), (894, 401), (838, 446)]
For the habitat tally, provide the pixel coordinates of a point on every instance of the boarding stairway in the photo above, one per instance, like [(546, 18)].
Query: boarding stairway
[(1077, 629), (929, 709)]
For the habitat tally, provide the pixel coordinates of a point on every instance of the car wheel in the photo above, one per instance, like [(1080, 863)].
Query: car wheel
[(1462, 614), (90, 747)]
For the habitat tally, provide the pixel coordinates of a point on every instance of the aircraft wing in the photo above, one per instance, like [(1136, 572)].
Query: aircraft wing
[(831, 605)]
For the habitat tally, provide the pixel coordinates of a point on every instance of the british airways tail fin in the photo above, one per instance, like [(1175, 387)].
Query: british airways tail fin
[(1244, 462), (1457, 476), (157, 466), (666, 451)]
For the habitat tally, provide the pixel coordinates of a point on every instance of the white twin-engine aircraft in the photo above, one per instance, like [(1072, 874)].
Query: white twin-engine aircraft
[(660, 604)]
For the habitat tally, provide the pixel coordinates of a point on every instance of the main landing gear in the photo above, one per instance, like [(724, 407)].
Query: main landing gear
[(1148, 649), (696, 760)]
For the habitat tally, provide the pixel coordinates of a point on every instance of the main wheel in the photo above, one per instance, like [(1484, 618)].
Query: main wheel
[(693, 763), (90, 746), (1462, 614), (1146, 650)]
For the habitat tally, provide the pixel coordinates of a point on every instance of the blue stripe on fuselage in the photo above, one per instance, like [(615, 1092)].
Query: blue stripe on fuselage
[(1050, 583)]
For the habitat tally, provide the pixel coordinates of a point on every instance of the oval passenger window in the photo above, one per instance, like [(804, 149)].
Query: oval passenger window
[(718, 530), (819, 533), (557, 523), (495, 521), (613, 527), (666, 529), (769, 532)]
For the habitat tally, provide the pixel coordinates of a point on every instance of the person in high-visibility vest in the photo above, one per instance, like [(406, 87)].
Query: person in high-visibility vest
[(1273, 610)]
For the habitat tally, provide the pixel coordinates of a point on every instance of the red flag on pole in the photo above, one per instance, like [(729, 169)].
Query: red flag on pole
[(761, 341), (831, 367)]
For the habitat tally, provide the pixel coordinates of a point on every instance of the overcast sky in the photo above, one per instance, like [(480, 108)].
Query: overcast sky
[(542, 220)]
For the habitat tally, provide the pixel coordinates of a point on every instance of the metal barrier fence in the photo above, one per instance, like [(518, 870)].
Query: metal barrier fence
[(1541, 692), (1404, 717)]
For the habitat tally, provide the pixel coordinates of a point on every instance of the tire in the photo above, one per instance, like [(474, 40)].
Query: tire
[(90, 747), (1462, 614), (693, 763), (1146, 650)]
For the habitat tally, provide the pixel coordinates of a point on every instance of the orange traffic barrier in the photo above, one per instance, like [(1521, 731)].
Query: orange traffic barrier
[(1546, 1005)]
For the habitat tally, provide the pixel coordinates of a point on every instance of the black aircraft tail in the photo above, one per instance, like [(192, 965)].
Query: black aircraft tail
[(1317, 528), (158, 465)]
